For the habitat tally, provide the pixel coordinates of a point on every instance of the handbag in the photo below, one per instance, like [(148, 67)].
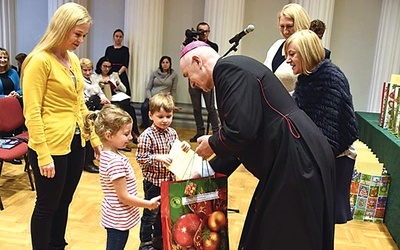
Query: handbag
[(194, 213), (94, 103)]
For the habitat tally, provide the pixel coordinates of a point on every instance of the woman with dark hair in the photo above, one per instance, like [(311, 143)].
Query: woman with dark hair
[(105, 77), (119, 58), (162, 80)]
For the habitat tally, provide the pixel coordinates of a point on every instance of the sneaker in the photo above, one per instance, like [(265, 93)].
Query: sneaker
[(194, 139), (146, 246), (157, 242)]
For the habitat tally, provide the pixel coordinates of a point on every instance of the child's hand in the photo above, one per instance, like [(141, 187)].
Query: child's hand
[(164, 158), (185, 146), (154, 202)]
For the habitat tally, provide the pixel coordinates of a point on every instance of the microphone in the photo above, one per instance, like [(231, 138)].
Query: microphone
[(242, 33)]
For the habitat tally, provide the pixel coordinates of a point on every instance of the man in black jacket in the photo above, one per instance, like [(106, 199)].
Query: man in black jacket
[(196, 93), (263, 129)]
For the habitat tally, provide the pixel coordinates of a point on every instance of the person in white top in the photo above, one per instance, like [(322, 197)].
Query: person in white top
[(293, 17), (120, 206), (94, 100), (92, 87), (116, 91)]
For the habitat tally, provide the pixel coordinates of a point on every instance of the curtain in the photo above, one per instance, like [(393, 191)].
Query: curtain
[(7, 26), (225, 18), (142, 16), (322, 10), (53, 5), (387, 52)]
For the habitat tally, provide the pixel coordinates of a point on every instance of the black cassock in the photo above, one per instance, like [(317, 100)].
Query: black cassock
[(262, 128)]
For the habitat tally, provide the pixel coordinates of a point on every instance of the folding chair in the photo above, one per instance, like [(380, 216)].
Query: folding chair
[(11, 118)]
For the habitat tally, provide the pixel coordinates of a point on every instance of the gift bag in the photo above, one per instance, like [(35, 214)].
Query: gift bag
[(194, 214), (368, 196)]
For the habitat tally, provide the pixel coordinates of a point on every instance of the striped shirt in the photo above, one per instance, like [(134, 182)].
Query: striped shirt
[(151, 142), (115, 214)]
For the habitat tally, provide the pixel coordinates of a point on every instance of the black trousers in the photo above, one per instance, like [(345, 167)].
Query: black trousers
[(195, 96), (53, 197), (126, 105)]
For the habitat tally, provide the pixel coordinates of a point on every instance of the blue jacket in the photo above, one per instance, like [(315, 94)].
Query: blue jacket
[(13, 75)]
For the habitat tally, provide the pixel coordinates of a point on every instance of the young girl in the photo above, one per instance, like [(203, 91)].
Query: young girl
[(120, 206)]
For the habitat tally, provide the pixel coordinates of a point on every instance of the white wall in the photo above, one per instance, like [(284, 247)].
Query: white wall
[(263, 15), (353, 34), (31, 21), (180, 15), (107, 17)]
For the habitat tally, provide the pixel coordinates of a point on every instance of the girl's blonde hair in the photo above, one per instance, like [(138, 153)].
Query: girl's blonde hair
[(309, 47), (161, 100), (300, 17), (110, 119)]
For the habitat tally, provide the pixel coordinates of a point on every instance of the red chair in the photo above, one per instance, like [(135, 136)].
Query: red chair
[(11, 118)]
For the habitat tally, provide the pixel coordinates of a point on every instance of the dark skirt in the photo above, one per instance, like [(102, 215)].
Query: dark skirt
[(344, 167)]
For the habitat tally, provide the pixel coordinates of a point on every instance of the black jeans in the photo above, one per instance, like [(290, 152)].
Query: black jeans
[(151, 220), (53, 197)]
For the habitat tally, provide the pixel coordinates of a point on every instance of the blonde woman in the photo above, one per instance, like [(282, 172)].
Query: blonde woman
[(323, 93), (54, 110), (293, 17)]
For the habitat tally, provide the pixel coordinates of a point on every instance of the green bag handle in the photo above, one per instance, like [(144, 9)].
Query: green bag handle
[(190, 164)]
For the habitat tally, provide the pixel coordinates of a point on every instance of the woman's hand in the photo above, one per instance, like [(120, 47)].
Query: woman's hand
[(48, 170), (14, 94)]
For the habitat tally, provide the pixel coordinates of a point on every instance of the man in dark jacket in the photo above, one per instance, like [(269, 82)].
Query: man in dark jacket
[(263, 129)]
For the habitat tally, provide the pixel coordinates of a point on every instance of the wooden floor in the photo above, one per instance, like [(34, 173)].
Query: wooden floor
[(84, 231)]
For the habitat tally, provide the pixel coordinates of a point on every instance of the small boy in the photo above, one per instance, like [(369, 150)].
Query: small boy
[(154, 145)]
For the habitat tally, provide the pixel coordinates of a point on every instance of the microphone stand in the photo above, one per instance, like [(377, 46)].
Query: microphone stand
[(233, 48)]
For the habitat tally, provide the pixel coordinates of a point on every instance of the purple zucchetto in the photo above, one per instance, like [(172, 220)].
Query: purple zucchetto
[(192, 46)]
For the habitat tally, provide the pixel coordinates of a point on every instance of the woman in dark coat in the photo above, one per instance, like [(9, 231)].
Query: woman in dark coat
[(323, 92), (262, 128)]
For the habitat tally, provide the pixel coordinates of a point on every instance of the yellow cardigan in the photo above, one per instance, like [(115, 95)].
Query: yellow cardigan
[(53, 105)]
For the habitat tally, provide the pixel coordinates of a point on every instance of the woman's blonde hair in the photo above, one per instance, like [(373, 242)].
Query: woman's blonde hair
[(5, 52), (66, 17), (161, 100), (86, 62), (309, 47), (300, 17), (111, 119)]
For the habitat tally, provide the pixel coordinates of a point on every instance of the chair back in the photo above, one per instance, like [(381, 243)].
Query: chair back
[(11, 116)]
